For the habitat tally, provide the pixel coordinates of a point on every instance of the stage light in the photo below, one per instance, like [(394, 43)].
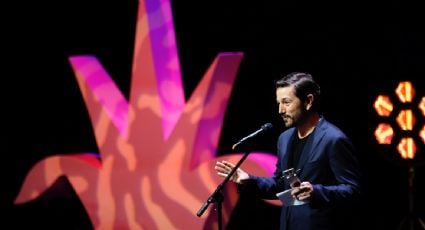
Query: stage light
[(401, 133), (384, 133), (383, 106), (400, 116)]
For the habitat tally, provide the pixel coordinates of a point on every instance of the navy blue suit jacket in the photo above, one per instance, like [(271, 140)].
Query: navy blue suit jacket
[(328, 162)]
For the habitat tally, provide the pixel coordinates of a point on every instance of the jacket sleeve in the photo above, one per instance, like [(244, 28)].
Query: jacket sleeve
[(264, 187)]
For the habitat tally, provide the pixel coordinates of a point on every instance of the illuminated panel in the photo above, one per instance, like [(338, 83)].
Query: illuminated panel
[(406, 119), (407, 148), (384, 133), (422, 106), (405, 91), (422, 133), (383, 105)]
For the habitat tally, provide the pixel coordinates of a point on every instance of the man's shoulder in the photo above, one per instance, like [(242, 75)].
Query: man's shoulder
[(332, 130), (287, 133)]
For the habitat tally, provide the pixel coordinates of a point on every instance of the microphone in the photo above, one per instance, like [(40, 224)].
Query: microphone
[(263, 128)]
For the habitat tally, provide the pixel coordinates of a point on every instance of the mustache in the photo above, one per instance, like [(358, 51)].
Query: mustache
[(285, 116)]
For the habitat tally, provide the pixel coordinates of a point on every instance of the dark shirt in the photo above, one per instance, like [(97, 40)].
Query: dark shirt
[(297, 148)]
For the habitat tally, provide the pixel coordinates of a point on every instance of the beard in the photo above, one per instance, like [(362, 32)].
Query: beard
[(295, 119), (288, 121)]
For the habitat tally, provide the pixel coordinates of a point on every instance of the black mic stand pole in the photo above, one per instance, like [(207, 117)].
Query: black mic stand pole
[(217, 196)]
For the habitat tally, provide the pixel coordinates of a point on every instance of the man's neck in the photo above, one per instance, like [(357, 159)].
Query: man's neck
[(308, 126)]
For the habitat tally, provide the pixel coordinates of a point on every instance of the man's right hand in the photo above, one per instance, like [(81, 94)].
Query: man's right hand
[(223, 168)]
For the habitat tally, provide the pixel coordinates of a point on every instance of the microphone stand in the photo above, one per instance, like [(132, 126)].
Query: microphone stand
[(217, 196)]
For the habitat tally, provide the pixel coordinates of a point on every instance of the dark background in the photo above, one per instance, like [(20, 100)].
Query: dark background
[(354, 50)]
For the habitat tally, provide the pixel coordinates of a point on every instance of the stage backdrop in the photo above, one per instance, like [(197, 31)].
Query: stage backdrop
[(115, 113)]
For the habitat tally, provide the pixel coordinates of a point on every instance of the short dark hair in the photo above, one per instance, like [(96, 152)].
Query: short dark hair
[(304, 84)]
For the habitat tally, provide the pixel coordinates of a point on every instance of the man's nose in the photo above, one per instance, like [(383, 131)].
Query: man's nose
[(281, 110)]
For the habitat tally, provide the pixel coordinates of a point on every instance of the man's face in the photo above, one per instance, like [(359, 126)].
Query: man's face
[(290, 106)]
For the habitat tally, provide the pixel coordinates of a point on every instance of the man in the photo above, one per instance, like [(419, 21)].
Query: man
[(320, 152)]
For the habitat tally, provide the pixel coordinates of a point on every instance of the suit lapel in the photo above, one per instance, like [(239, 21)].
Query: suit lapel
[(311, 145), (289, 149)]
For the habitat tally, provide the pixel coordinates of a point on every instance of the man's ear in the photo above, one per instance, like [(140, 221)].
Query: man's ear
[(308, 103)]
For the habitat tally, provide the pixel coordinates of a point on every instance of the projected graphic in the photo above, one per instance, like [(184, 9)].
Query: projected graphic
[(157, 151)]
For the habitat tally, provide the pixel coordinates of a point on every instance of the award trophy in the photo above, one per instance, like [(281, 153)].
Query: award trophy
[(285, 197), (291, 176)]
